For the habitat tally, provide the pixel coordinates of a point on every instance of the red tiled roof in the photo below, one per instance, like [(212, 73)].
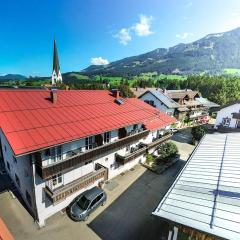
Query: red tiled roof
[(30, 121), (4, 232)]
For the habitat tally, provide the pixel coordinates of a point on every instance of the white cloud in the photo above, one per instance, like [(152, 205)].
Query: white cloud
[(124, 36), (99, 61), (142, 28), (183, 35)]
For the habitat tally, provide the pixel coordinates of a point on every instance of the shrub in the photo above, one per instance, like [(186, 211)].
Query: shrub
[(168, 150), (198, 132), (149, 158)]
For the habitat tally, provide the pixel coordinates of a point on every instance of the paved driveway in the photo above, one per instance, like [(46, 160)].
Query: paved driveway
[(127, 215)]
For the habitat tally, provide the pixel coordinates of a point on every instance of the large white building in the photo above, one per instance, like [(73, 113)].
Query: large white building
[(57, 144), (228, 116)]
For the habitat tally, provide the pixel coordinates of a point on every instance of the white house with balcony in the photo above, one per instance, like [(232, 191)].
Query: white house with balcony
[(56, 144)]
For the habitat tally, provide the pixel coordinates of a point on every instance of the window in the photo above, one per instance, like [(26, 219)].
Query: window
[(107, 137), (59, 152), (135, 127), (54, 154), (57, 179), (93, 202), (14, 160), (99, 197), (8, 166), (28, 197), (17, 180), (89, 143), (47, 152), (150, 102)]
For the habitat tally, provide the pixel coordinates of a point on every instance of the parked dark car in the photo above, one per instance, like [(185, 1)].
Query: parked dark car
[(84, 204)]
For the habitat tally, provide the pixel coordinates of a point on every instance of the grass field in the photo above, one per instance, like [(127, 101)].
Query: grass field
[(232, 71)]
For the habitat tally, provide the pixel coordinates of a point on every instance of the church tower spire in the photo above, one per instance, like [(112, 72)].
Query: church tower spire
[(56, 74)]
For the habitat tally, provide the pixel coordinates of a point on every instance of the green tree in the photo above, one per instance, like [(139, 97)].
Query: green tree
[(168, 150), (198, 132)]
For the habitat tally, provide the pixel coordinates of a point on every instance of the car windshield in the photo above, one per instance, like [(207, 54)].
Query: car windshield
[(83, 203)]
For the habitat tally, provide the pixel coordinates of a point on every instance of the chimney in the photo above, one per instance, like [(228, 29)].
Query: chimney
[(53, 95), (165, 91), (115, 93)]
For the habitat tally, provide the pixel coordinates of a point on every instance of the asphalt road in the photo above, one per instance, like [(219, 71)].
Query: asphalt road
[(129, 216)]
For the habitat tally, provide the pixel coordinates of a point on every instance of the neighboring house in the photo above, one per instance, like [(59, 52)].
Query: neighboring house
[(183, 104), (204, 200), (160, 101), (137, 91), (228, 116), (56, 144)]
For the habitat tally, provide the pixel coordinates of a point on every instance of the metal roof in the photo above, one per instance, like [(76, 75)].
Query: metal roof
[(206, 194), (205, 102), (163, 98), (30, 121)]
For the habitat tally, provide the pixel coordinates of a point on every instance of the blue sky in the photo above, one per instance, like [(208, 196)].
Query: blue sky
[(99, 31)]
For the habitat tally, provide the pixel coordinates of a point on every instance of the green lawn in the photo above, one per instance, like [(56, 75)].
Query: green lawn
[(232, 71)]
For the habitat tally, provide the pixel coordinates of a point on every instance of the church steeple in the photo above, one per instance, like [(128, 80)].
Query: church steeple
[(56, 74)]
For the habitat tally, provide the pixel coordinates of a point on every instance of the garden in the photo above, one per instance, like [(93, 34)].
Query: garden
[(162, 158)]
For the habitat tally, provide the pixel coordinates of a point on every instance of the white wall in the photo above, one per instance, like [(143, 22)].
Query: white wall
[(159, 104), (227, 112), (22, 168)]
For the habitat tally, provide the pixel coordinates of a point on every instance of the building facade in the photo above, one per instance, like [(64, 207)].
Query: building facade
[(62, 143), (182, 104), (228, 116)]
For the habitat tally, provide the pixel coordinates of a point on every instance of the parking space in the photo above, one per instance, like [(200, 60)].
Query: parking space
[(127, 215)]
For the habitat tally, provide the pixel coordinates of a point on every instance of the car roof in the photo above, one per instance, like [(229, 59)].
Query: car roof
[(92, 193)]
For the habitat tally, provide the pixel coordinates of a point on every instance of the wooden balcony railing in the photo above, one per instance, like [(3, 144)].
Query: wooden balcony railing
[(131, 156), (59, 194), (159, 141), (48, 171)]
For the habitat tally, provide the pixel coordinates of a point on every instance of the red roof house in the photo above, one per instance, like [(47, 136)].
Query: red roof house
[(36, 119)]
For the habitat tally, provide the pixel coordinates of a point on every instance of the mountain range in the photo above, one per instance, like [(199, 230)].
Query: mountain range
[(211, 54), (8, 77)]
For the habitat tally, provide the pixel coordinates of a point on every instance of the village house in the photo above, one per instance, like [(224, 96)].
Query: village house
[(182, 104), (58, 143), (228, 116), (204, 200)]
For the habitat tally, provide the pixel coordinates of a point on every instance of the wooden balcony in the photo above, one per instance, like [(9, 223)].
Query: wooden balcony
[(59, 194), (131, 156), (67, 164), (159, 141)]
